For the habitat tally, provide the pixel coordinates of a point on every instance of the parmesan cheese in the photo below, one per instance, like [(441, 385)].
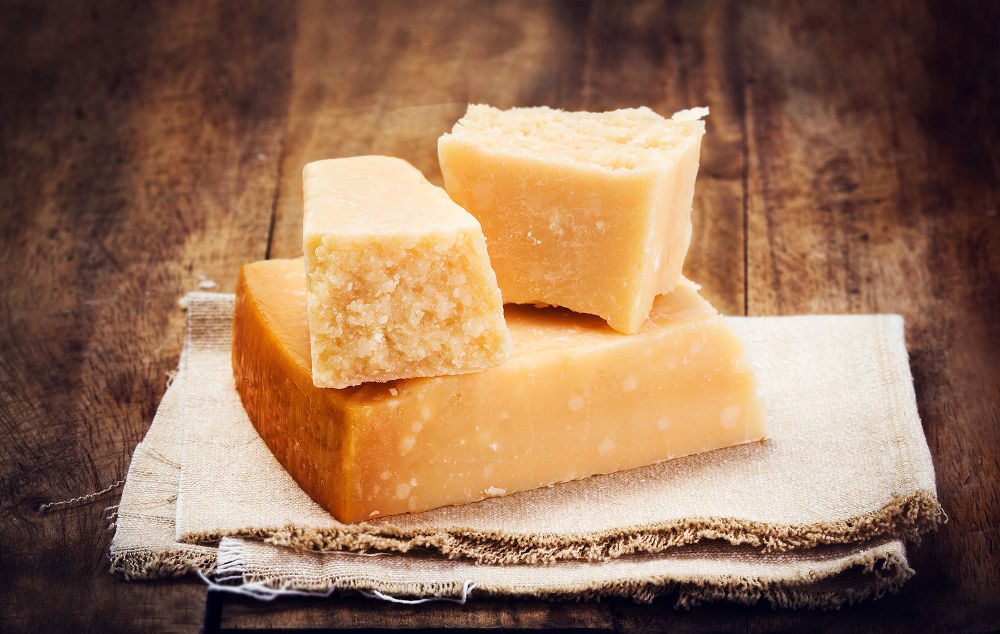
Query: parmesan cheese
[(590, 211), (575, 399), (399, 281)]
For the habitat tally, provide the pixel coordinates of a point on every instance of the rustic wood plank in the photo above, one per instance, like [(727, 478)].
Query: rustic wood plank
[(873, 188), (139, 150), (503, 614), (148, 145)]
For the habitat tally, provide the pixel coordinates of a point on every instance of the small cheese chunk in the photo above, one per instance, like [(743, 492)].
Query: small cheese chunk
[(591, 211), (575, 399), (399, 281)]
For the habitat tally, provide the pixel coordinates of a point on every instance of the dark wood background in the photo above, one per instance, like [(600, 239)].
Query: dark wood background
[(851, 165)]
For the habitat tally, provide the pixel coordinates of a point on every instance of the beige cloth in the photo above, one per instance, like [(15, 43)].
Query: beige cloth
[(844, 477), (822, 577)]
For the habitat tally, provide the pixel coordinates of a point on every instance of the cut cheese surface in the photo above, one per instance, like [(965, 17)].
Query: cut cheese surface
[(399, 281), (575, 399), (590, 211)]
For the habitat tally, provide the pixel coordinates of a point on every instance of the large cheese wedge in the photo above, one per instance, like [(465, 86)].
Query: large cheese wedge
[(591, 211), (399, 281), (575, 399)]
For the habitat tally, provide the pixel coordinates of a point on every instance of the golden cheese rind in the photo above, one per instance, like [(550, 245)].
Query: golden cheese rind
[(575, 399)]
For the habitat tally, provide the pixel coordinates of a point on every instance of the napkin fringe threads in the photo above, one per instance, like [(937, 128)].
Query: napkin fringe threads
[(907, 517), (143, 563), (879, 571)]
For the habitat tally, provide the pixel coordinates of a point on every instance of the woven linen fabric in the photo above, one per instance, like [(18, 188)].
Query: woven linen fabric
[(846, 460), (821, 577), (846, 464), (144, 548)]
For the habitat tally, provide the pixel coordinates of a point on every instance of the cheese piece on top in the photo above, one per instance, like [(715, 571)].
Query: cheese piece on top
[(591, 211), (399, 281), (575, 399)]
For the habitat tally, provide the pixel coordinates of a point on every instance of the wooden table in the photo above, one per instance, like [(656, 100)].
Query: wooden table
[(851, 165)]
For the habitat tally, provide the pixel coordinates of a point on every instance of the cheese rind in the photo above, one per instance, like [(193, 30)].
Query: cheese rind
[(591, 211), (575, 399), (399, 281)]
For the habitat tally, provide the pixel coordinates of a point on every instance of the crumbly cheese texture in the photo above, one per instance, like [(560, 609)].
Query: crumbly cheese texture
[(575, 399), (399, 281), (590, 211)]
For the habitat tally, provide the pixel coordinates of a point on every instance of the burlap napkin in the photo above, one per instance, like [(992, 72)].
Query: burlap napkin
[(845, 476)]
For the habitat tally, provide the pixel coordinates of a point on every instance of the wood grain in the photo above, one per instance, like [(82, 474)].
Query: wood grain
[(139, 153), (851, 165), (885, 212)]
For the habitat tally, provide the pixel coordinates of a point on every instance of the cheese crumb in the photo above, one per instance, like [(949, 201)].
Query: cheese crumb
[(495, 491), (575, 403)]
